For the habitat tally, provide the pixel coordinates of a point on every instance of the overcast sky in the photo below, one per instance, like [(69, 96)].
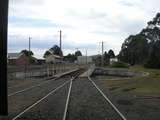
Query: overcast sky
[(84, 23)]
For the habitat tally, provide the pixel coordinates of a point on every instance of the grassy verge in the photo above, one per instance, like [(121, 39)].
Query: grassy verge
[(149, 84), (143, 85)]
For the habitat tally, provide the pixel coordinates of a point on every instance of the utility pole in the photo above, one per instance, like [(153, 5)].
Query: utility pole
[(86, 57), (29, 45), (102, 62), (3, 58), (60, 42)]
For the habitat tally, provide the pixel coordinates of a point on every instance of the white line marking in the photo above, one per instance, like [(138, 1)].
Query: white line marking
[(30, 107), (114, 107), (67, 101)]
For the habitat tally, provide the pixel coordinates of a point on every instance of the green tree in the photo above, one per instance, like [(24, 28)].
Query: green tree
[(47, 53), (134, 50), (154, 56), (111, 54), (78, 53), (70, 58), (56, 50), (27, 53), (106, 58)]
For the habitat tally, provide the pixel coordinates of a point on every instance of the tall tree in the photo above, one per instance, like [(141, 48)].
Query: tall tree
[(78, 53), (56, 50), (154, 56), (70, 57), (27, 53), (47, 53), (111, 54), (106, 58), (144, 47)]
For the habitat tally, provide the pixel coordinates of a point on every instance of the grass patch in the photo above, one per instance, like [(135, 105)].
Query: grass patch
[(149, 84), (119, 65), (153, 73), (128, 89), (113, 88), (142, 85)]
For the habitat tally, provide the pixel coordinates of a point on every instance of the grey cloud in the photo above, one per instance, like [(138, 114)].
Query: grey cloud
[(101, 32), (132, 27), (91, 14), (19, 42), (124, 25)]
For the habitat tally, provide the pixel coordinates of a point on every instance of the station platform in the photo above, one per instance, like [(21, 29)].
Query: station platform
[(89, 72), (62, 74), (65, 73)]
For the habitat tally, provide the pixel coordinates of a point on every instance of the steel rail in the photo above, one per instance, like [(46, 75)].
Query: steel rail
[(29, 88), (67, 101), (34, 86), (40, 100), (107, 99)]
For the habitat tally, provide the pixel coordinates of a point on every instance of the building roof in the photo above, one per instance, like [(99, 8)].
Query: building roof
[(55, 56), (14, 55)]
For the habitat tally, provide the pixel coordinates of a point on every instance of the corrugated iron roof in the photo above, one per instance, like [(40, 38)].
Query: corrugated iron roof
[(14, 55)]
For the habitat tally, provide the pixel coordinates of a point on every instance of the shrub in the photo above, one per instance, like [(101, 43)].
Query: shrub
[(119, 65)]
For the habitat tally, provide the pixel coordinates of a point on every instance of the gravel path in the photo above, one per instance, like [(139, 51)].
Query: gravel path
[(86, 103)]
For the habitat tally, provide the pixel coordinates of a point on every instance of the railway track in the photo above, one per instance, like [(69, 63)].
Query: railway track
[(68, 99), (20, 100), (107, 100), (88, 102), (33, 86)]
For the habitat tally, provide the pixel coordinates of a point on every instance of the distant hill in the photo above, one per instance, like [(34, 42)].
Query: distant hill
[(143, 48)]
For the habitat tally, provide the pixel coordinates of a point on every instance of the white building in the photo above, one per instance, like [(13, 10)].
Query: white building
[(84, 59), (112, 60)]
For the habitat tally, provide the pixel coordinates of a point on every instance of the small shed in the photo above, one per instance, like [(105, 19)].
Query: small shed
[(54, 59), (112, 60)]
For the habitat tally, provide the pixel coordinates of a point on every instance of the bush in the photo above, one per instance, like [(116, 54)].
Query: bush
[(119, 65), (152, 64)]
